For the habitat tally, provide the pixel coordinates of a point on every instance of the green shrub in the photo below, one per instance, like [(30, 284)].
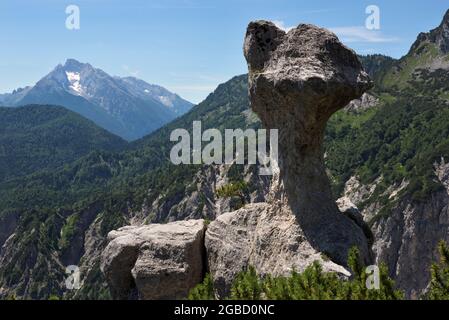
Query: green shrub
[(68, 231), (439, 284), (247, 286), (311, 284), (232, 189), (203, 291)]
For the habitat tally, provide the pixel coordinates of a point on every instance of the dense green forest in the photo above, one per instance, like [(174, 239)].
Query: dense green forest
[(46, 137)]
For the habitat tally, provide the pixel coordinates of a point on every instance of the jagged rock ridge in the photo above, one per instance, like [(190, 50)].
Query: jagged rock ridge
[(438, 36)]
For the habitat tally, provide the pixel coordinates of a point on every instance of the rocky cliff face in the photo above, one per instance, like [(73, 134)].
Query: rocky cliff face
[(406, 237), (201, 199), (365, 102), (438, 36), (407, 241), (8, 223)]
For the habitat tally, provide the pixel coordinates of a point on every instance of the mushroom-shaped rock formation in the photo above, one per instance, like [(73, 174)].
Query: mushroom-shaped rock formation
[(297, 80)]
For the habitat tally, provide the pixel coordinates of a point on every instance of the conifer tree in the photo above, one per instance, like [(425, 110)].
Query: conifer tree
[(439, 283), (311, 284), (203, 291)]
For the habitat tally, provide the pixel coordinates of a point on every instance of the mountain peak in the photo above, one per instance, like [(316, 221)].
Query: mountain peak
[(443, 28), (130, 108), (72, 64), (438, 36), (446, 18)]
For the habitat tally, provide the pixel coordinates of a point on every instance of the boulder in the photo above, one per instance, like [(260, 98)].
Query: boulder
[(261, 235), (157, 261)]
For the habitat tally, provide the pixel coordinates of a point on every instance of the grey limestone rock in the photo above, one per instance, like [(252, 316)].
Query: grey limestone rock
[(156, 261), (297, 80)]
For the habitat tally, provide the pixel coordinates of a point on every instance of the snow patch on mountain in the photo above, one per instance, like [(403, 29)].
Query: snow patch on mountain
[(74, 79), (166, 101), (128, 107)]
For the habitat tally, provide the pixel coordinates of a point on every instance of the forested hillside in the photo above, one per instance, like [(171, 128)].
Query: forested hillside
[(46, 137)]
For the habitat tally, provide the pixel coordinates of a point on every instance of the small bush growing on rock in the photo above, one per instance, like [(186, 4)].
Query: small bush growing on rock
[(439, 284), (235, 191), (247, 286), (232, 189), (356, 288), (311, 284), (203, 291)]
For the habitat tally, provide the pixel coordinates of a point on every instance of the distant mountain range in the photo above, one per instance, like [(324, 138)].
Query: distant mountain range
[(128, 107)]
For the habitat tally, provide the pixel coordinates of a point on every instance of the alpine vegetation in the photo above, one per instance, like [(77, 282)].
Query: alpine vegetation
[(185, 152)]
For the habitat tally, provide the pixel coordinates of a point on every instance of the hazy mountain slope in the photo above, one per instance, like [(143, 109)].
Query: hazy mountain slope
[(44, 93), (377, 65), (128, 107), (10, 99), (151, 92), (46, 137)]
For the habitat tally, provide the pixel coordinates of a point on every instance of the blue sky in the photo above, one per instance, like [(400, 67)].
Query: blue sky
[(188, 46)]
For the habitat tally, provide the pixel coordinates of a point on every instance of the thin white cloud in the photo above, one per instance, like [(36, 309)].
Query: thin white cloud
[(281, 25), (200, 88), (133, 73), (361, 34)]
